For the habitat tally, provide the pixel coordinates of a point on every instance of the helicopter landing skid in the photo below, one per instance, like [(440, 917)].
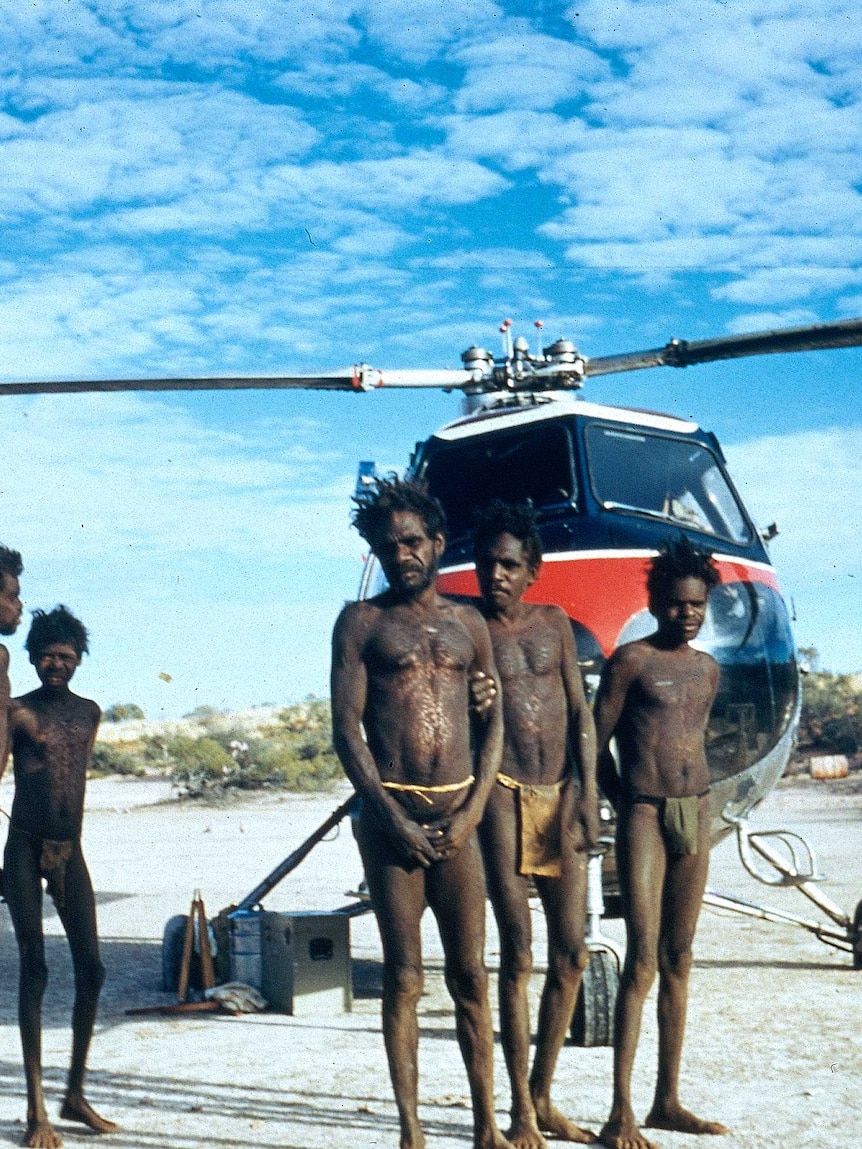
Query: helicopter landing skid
[(792, 863)]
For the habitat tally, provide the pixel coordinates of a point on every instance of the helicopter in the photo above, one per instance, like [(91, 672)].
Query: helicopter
[(609, 486)]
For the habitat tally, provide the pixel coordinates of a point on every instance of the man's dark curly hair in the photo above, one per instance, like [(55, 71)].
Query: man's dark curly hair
[(680, 560), (57, 625), (516, 519), (373, 510), (10, 562)]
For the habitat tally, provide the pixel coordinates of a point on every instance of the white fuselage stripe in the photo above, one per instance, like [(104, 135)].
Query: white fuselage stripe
[(575, 556)]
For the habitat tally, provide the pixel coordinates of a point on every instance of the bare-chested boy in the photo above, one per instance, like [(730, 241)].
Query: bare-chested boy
[(400, 697), (51, 733), (655, 697), (541, 817)]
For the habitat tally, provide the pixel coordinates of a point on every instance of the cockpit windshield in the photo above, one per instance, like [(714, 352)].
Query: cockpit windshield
[(530, 463), (634, 471)]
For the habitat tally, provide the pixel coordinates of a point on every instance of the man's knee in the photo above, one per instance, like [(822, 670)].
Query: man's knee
[(403, 981), (676, 960), (516, 958), (34, 970), (568, 961), (89, 974), (468, 984), (640, 970)]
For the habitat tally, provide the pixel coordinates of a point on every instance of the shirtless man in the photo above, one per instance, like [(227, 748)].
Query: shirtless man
[(51, 732), (655, 697), (10, 617), (547, 782), (401, 666)]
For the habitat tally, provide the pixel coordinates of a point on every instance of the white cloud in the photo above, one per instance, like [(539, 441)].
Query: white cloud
[(810, 483), (182, 547), (523, 69)]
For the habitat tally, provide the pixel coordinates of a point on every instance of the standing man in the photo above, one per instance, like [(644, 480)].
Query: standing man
[(401, 666), (541, 817), (10, 618), (655, 697), (51, 732)]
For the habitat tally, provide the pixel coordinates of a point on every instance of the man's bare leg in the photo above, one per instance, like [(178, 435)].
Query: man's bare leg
[(509, 892), (398, 898), (78, 916), (23, 888), (564, 902), (641, 864), (683, 896), (456, 895)]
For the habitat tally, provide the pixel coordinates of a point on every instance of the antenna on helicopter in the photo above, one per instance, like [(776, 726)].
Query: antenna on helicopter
[(506, 333)]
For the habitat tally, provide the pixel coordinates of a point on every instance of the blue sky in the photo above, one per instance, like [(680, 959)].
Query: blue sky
[(222, 187)]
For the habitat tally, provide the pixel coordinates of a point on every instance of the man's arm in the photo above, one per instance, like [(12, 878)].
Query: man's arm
[(582, 742), (617, 676), (5, 698), (489, 739), (349, 691)]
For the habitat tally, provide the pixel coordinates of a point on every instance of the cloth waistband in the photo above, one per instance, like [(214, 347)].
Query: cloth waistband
[(424, 791), (513, 784)]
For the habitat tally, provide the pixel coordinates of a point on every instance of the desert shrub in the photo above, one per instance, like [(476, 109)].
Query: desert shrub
[(106, 760), (307, 765), (123, 712), (294, 753), (831, 718), (197, 764), (311, 716)]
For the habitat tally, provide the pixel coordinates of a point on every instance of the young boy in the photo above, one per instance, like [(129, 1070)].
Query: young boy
[(655, 696), (541, 817), (51, 733)]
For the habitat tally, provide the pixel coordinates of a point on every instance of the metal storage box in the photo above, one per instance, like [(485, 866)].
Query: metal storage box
[(306, 962)]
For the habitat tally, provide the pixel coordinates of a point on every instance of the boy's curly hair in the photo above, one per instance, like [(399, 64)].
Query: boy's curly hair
[(679, 560), (57, 625), (10, 562), (516, 519)]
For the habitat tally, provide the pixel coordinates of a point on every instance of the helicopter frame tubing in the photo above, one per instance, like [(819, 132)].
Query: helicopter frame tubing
[(791, 863)]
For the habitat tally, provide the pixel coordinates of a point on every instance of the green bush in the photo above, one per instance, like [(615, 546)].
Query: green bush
[(197, 764), (106, 760), (123, 711), (831, 718), (294, 753)]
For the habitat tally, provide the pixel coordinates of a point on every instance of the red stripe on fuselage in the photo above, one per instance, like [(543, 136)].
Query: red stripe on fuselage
[(602, 594)]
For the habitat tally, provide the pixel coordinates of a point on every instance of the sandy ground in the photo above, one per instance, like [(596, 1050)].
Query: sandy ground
[(774, 1047)]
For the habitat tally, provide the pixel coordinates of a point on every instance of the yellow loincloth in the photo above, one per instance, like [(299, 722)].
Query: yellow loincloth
[(680, 823), (539, 829)]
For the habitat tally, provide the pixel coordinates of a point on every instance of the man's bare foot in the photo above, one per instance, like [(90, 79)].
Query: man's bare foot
[(41, 1135), (77, 1108), (524, 1133), (623, 1133), (552, 1121), (679, 1120), (491, 1139)]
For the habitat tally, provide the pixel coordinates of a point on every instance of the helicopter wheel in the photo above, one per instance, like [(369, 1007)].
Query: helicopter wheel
[(172, 951), (857, 937), (593, 1019)]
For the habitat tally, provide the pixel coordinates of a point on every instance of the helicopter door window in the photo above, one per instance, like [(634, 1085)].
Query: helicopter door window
[(660, 477), (532, 464)]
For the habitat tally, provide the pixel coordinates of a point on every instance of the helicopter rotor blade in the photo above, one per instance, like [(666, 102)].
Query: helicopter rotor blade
[(685, 353), (360, 378)]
